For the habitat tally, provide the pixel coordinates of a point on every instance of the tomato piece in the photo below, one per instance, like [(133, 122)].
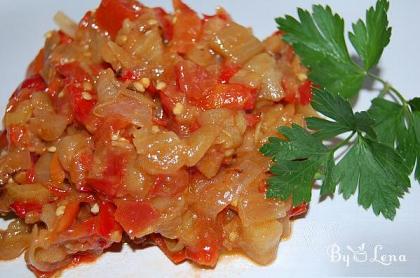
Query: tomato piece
[(305, 92), (290, 88), (22, 208), (169, 185), (112, 175), (3, 140), (252, 119), (299, 210), (193, 80), (73, 73), (35, 67), (263, 187), (135, 216), (30, 85), (165, 23), (220, 13), (81, 106), (128, 74), (106, 220), (64, 39), (103, 226), (70, 214), (169, 97), (232, 96), (175, 257), (187, 28), (18, 136), (206, 252), (30, 174), (56, 190), (110, 126), (227, 72), (111, 14)]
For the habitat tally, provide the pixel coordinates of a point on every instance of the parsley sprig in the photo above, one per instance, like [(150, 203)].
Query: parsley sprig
[(380, 146)]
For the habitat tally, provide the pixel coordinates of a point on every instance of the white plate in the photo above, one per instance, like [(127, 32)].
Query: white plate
[(329, 224)]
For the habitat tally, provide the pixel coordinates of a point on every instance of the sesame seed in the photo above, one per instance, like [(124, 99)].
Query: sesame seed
[(115, 136), (122, 139), (116, 236), (60, 210), (233, 236), (302, 77), (87, 86), (138, 86), (160, 85), (94, 208), (86, 96), (61, 94), (145, 81), (126, 24), (152, 22), (178, 109), (155, 129), (122, 39), (87, 54), (52, 149), (10, 180), (174, 20)]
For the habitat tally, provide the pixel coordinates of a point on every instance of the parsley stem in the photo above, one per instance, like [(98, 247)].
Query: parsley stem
[(388, 88), (344, 142)]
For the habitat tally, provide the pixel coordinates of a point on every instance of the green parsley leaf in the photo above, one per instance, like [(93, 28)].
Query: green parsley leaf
[(415, 104), (318, 39), (370, 38), (370, 167), (394, 128), (301, 144), (384, 142), (293, 178), (378, 186), (339, 110)]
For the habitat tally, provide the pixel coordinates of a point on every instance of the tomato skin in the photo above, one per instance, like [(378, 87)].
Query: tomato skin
[(111, 178), (187, 28), (305, 92), (290, 88), (231, 96), (252, 119), (64, 39), (106, 220), (18, 136), (169, 185), (34, 83), (81, 106), (111, 14), (299, 210), (193, 80), (165, 23), (22, 208), (70, 214), (135, 216), (74, 76), (72, 73), (175, 257), (227, 72)]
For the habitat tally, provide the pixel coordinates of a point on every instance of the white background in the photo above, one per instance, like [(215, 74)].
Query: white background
[(22, 25)]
